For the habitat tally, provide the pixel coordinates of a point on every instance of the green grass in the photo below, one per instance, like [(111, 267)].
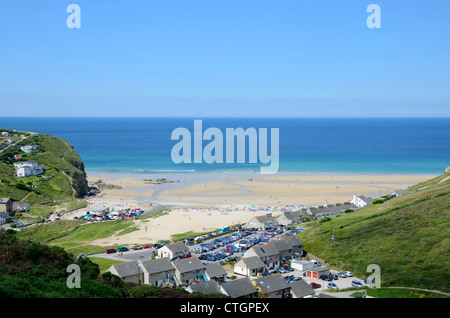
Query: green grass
[(408, 237), (104, 263)]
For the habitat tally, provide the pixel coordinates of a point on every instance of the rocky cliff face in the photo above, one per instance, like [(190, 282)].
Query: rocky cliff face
[(78, 175)]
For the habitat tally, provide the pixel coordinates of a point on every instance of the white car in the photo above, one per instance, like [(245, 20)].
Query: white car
[(349, 274), (332, 286)]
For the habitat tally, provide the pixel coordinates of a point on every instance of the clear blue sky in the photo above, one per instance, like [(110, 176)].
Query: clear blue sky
[(225, 58)]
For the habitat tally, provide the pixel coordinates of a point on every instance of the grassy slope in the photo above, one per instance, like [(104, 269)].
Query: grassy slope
[(64, 176), (408, 237)]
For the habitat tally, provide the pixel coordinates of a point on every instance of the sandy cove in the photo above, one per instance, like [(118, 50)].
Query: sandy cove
[(201, 202)]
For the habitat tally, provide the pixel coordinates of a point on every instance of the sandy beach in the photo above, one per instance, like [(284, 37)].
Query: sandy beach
[(200, 202)]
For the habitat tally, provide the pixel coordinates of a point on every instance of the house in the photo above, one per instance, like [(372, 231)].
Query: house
[(206, 288), (28, 149), (250, 266), (262, 221), (295, 243), (284, 248), (361, 201), (128, 272), (189, 270), (239, 288), (215, 272), (28, 168), (4, 218), (21, 206), (301, 289), (273, 286), (267, 253), (6, 205), (158, 272), (172, 250), (317, 271), (288, 218)]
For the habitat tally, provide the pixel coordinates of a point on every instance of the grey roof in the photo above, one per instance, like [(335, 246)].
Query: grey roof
[(301, 288), (253, 262), (158, 265), (265, 250), (272, 283), (333, 208), (127, 269), (206, 288), (366, 199), (266, 219), (177, 247), (238, 287), (291, 215), (318, 269), (215, 270), (188, 264), (4, 200), (292, 240), (5, 215), (281, 245)]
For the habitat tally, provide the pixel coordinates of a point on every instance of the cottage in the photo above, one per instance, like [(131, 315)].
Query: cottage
[(189, 270), (250, 266), (273, 286), (205, 288), (239, 288), (284, 248), (28, 149), (6, 205), (267, 253), (301, 289), (216, 272), (4, 218), (288, 218), (158, 272), (361, 201), (28, 168), (128, 272), (295, 243), (173, 250), (262, 221)]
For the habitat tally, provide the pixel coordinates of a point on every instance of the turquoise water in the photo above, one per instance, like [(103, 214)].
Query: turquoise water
[(309, 145)]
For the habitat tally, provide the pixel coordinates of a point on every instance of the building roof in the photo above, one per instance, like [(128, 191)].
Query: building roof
[(292, 240), (158, 265), (238, 287), (206, 288), (265, 219), (252, 262), (177, 247), (215, 270), (188, 264), (318, 269), (291, 215), (265, 250), (127, 268), (281, 245), (301, 289), (365, 199), (272, 283)]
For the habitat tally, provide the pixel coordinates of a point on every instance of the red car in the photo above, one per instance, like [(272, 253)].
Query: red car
[(314, 285), (146, 246), (187, 255), (110, 250)]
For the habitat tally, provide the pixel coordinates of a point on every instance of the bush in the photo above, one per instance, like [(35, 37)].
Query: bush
[(378, 201), (324, 220)]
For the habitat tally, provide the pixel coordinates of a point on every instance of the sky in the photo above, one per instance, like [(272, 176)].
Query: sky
[(261, 58)]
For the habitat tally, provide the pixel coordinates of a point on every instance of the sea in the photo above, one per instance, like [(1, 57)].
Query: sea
[(306, 145)]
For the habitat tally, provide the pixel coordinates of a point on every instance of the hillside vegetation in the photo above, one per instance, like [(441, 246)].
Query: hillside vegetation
[(407, 236), (58, 189)]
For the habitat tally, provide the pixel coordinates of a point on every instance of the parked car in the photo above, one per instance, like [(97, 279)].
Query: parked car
[(147, 246), (356, 284), (315, 285), (137, 247), (332, 286), (349, 274), (342, 274), (122, 249), (326, 277), (334, 276), (110, 250), (295, 279), (288, 268)]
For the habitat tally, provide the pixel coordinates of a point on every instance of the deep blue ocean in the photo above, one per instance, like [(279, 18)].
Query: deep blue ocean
[(307, 145)]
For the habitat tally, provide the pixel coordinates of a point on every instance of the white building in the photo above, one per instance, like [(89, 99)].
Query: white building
[(361, 201), (28, 168), (28, 149)]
